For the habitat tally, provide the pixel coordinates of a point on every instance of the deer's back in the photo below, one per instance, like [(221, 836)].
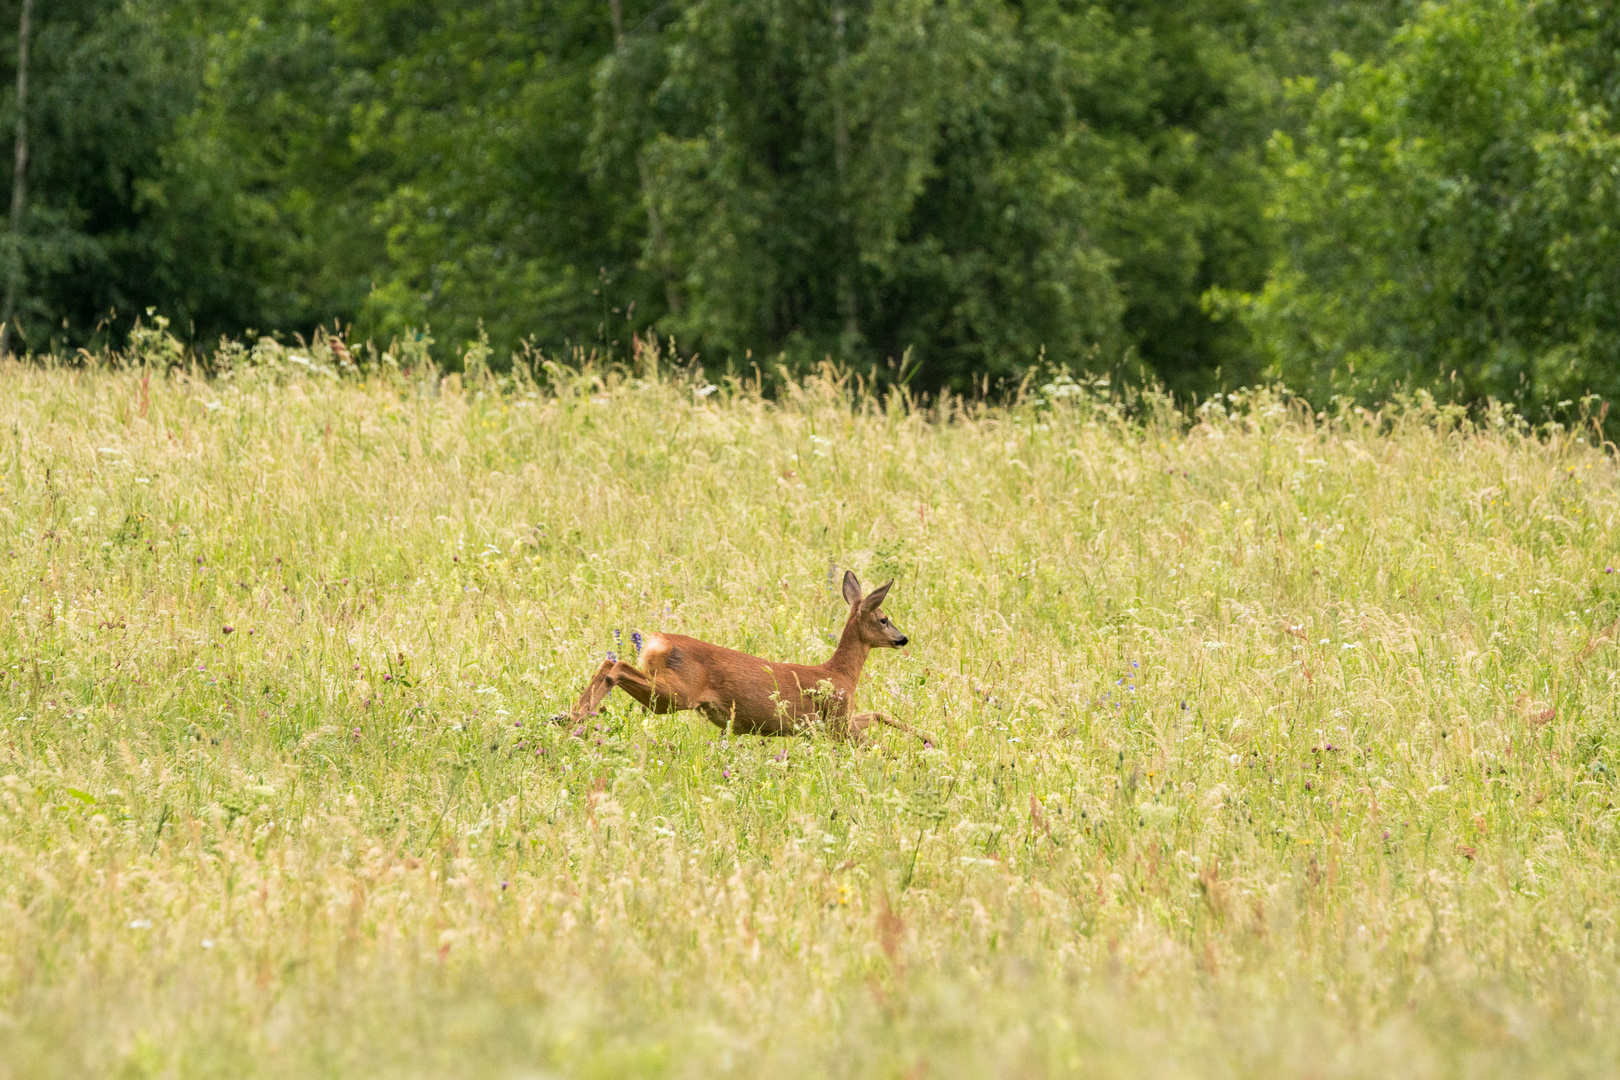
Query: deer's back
[(750, 692)]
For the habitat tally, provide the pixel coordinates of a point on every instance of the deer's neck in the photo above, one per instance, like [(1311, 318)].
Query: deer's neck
[(850, 656)]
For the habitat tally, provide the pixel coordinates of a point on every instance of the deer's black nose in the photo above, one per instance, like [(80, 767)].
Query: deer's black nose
[(903, 640)]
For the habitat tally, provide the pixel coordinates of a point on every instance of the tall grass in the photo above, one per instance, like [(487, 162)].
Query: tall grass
[(1275, 743)]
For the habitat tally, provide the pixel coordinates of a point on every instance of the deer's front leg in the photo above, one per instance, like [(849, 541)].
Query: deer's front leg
[(855, 727), (860, 722)]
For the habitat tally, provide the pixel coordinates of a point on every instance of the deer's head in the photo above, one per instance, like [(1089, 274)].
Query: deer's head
[(866, 615)]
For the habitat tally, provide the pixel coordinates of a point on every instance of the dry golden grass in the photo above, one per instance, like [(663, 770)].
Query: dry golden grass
[(1275, 744)]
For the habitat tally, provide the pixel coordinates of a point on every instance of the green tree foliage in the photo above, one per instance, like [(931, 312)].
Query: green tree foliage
[(978, 182), (1448, 215), (404, 165), (115, 219)]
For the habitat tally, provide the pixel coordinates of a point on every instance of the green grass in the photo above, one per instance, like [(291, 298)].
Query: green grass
[(1275, 744)]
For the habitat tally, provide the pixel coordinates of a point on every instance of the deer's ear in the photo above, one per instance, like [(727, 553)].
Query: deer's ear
[(874, 599), (852, 588)]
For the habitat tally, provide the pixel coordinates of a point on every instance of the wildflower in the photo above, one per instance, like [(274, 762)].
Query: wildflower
[(636, 640), (504, 884), (725, 774), (227, 629), (612, 656)]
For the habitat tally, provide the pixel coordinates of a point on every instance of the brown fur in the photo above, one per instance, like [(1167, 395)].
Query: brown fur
[(748, 695)]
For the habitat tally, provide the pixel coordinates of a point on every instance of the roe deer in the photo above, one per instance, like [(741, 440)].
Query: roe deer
[(752, 696)]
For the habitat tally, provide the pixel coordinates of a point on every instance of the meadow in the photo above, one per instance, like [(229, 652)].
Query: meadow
[(1274, 743)]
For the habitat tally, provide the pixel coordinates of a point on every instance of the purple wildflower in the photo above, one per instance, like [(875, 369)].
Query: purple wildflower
[(612, 656), (636, 640)]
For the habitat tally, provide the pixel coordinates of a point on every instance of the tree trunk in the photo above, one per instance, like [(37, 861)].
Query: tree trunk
[(846, 280), (655, 221), (18, 178)]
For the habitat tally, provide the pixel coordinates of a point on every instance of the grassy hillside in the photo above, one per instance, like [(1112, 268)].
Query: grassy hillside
[(1275, 745)]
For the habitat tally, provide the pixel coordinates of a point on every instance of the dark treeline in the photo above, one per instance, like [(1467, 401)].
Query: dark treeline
[(1345, 195)]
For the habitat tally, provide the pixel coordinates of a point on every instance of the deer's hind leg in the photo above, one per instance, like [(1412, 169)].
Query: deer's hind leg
[(595, 690), (618, 673), (665, 699)]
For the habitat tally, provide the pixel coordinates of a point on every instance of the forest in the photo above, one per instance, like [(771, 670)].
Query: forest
[(1357, 198)]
